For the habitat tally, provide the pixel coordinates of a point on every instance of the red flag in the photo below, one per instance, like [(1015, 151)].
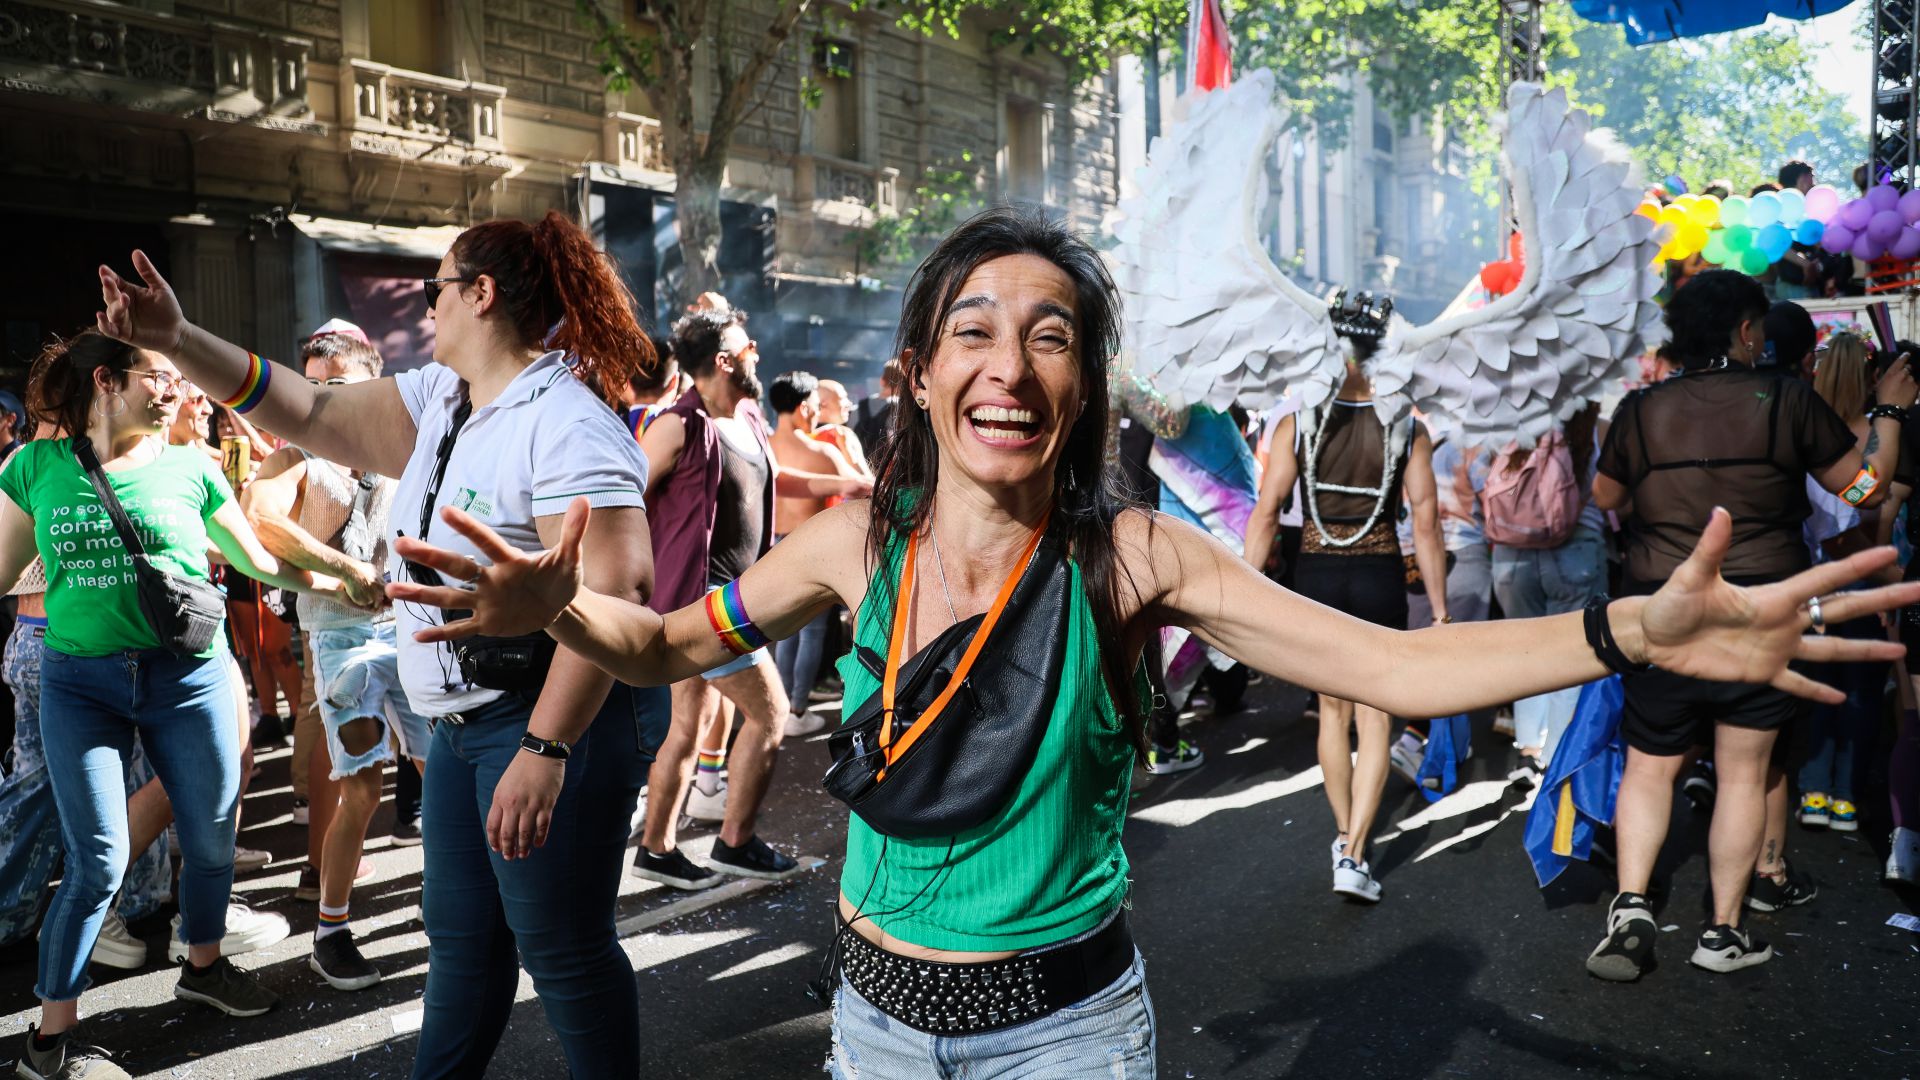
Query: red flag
[(1210, 66)]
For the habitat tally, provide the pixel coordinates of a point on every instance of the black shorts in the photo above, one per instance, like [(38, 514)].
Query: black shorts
[(1668, 714), (1370, 587)]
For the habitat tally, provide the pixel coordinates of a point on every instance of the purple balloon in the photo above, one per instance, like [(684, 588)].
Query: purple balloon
[(1886, 226), (1910, 206), (1855, 214), (1838, 239), (1908, 246), (1883, 197), (1867, 248)]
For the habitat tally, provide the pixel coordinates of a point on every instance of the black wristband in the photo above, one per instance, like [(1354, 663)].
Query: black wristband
[(1892, 412), (1600, 639), (552, 748)]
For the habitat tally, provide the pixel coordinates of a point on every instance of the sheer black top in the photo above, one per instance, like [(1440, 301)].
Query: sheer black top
[(1352, 453), (1736, 438)]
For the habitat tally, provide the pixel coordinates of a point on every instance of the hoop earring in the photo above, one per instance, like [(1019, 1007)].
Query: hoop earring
[(104, 414)]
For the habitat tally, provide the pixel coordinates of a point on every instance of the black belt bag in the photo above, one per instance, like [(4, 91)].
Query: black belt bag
[(966, 999), (972, 759), (517, 665), (185, 613)]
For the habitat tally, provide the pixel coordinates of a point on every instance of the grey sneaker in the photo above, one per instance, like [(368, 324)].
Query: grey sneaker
[(70, 1059), (225, 987)]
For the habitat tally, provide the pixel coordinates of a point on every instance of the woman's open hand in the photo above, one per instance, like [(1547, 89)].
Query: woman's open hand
[(518, 594), (1699, 625), (147, 315)]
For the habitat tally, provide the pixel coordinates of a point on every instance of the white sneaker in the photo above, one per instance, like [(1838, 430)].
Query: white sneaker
[(704, 807), (638, 823), (1406, 755), (247, 860), (1339, 848), (1356, 880), (117, 948), (301, 812), (1903, 862), (247, 930), (809, 723)]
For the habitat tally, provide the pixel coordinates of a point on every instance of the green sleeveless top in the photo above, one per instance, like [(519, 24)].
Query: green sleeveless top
[(1049, 865)]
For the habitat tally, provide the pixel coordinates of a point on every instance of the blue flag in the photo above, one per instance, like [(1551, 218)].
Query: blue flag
[(1447, 748), (1582, 781)]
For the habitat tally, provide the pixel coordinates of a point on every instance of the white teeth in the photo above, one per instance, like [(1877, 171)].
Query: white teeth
[(996, 413)]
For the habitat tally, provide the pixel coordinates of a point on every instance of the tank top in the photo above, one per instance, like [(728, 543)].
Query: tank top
[(347, 514), (739, 520), (1049, 865)]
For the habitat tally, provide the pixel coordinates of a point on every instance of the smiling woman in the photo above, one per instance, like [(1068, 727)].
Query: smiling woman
[(982, 901)]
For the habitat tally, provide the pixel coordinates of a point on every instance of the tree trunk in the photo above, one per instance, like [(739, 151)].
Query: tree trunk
[(696, 199)]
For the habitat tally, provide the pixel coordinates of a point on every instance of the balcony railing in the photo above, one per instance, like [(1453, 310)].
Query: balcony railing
[(634, 142), (109, 54), (391, 107), (835, 180)]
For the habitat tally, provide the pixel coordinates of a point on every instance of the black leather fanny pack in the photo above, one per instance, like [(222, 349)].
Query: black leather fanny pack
[(970, 761)]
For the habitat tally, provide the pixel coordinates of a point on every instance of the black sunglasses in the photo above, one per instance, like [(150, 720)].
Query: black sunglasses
[(432, 286)]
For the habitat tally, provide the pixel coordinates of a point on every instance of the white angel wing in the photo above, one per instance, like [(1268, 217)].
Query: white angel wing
[(1208, 316), (1584, 310)]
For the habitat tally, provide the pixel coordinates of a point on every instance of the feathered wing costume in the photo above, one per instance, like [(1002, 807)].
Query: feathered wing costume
[(1212, 319)]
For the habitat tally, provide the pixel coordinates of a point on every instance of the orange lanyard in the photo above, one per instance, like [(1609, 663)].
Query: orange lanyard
[(901, 613)]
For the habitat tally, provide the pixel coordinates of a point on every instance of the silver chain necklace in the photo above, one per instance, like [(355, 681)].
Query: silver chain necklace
[(940, 564), (1314, 486)]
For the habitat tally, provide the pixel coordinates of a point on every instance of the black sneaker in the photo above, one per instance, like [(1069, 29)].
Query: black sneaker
[(336, 959), (754, 859), (1766, 894), (225, 987), (405, 834), (675, 869), (1724, 948), (1700, 787), (68, 1059), (1627, 951)]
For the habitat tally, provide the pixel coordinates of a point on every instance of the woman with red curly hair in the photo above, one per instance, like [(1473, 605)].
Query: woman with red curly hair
[(537, 756)]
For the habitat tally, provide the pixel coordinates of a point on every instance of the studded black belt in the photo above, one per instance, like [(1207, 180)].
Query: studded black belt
[(965, 999)]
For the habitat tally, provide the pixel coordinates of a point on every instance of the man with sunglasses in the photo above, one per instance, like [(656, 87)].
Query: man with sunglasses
[(321, 516)]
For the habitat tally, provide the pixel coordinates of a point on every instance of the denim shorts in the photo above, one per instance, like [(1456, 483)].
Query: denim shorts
[(357, 675), (1109, 1035)]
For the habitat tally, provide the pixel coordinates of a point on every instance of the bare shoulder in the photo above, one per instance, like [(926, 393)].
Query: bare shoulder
[(284, 460)]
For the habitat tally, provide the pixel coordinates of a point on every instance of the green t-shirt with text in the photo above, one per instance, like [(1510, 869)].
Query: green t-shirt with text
[(93, 607)]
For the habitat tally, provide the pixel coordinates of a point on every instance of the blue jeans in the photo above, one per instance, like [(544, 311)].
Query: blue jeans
[(357, 675), (1839, 737), (91, 709), (552, 911), (1532, 582), (798, 659), (30, 826), (1107, 1036)]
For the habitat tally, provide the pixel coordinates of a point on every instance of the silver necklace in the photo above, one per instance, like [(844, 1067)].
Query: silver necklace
[(1319, 419), (940, 564)]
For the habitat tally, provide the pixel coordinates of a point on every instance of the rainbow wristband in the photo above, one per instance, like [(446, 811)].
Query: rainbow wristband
[(729, 618), (253, 389)]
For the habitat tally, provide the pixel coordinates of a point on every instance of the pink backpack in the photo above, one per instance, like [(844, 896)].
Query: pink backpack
[(1536, 505)]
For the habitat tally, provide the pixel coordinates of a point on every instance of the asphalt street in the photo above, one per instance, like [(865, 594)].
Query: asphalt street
[(1256, 969)]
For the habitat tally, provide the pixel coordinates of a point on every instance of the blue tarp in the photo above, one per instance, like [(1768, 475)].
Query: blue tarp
[(1664, 20)]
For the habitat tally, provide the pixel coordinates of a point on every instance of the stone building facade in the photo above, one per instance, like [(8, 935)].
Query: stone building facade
[(289, 160)]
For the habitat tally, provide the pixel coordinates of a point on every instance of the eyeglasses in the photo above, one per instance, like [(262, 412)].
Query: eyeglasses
[(335, 381), (163, 381), (432, 286)]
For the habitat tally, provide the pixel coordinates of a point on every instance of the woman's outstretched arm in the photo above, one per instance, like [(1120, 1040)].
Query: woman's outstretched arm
[(1697, 625)]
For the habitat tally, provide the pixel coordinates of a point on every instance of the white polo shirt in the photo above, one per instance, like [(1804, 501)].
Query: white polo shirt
[(545, 441)]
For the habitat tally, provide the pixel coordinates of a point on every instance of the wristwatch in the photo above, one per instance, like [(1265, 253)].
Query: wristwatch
[(552, 748)]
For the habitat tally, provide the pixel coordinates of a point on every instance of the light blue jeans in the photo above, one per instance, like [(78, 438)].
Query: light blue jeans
[(30, 825), (91, 708), (1107, 1036), (357, 674), (1532, 582)]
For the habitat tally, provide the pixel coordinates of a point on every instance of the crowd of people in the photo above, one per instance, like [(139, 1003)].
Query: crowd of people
[(568, 563)]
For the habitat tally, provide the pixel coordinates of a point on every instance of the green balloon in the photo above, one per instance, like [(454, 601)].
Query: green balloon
[(1739, 239), (1733, 211), (1754, 261), (1716, 250)]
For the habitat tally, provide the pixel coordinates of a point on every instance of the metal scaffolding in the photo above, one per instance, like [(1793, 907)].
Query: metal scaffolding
[(1893, 130), (1522, 59)]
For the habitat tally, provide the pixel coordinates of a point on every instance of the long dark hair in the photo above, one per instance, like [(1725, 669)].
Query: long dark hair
[(1705, 312), (1086, 498), (560, 292), (60, 384)]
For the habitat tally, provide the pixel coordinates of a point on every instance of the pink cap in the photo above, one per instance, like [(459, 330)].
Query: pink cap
[(341, 326)]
